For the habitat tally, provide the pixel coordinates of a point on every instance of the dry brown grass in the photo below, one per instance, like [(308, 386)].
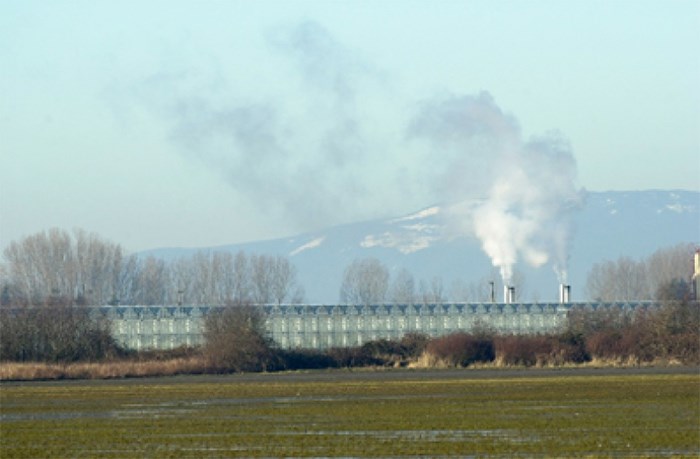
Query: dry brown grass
[(428, 360), (27, 371)]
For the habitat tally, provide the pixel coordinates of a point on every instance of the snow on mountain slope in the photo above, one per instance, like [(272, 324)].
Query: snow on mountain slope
[(312, 244), (427, 243)]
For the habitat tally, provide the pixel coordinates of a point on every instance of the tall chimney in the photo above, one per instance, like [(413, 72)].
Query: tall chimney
[(564, 293), (508, 294)]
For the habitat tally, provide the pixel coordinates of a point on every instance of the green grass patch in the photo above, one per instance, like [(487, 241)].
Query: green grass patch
[(621, 415)]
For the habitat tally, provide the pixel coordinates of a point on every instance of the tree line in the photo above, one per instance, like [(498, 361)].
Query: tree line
[(368, 281), (57, 266), (648, 278), (80, 268), (59, 270)]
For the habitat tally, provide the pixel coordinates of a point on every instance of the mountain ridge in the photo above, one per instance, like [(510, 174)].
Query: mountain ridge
[(608, 225)]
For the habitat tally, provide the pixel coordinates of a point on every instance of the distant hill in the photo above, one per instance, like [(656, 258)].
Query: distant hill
[(609, 225)]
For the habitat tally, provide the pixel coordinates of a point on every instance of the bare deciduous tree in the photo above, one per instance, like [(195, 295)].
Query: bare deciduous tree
[(403, 288), (182, 280), (621, 280), (484, 290), (87, 270), (235, 339), (284, 279), (261, 279), (365, 281), (669, 265), (152, 284), (81, 267), (432, 292), (241, 278), (628, 279), (55, 333)]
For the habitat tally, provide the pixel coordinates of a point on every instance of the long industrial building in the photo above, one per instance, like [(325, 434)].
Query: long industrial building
[(325, 326)]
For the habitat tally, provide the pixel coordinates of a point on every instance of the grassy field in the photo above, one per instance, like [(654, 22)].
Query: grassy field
[(617, 415)]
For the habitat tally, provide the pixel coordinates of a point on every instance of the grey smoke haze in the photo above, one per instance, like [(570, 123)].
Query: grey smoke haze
[(309, 153), (325, 63), (333, 146)]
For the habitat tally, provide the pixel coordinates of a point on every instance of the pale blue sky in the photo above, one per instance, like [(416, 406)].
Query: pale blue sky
[(203, 123)]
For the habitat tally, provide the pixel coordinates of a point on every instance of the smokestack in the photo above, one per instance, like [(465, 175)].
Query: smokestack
[(508, 294), (493, 291), (564, 293)]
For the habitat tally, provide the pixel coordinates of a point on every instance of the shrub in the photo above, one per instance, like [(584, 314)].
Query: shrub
[(55, 333), (348, 357), (522, 350), (608, 344), (671, 331), (541, 349), (414, 344), (380, 352), (570, 347), (235, 340), (461, 349), (305, 359), (384, 350)]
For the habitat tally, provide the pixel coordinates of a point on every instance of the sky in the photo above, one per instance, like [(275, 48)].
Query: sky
[(203, 123)]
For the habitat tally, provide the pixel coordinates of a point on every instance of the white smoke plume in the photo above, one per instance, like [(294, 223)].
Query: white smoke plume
[(524, 190), (337, 142)]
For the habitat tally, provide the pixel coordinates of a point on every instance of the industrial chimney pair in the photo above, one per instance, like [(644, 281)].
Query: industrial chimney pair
[(509, 293)]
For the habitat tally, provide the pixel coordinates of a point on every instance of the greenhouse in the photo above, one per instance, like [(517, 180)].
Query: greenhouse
[(325, 326)]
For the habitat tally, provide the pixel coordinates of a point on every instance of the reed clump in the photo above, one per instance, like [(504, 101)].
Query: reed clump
[(27, 371)]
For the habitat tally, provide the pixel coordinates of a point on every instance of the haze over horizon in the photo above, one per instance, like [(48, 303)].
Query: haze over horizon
[(184, 125)]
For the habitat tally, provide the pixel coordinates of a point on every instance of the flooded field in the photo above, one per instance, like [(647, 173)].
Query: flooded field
[(354, 414)]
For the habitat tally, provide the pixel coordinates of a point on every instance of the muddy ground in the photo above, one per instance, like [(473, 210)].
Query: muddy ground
[(382, 375)]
